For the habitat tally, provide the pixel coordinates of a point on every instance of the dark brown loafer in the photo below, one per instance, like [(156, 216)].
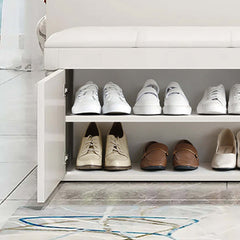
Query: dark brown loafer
[(185, 156), (155, 157)]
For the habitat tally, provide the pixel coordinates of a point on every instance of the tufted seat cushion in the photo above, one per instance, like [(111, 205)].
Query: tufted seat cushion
[(177, 37), (90, 37), (145, 37)]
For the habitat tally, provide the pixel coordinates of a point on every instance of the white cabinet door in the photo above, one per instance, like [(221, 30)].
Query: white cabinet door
[(51, 133)]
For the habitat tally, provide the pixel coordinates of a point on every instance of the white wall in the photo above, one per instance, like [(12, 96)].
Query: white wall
[(66, 13)]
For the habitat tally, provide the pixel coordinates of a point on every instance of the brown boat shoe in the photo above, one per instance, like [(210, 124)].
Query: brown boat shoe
[(185, 156), (155, 157)]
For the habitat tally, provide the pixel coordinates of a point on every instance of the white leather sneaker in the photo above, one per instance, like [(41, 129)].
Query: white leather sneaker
[(238, 149), (148, 102), (113, 100), (175, 102), (117, 155), (225, 157), (213, 101), (90, 152), (234, 100), (86, 100)]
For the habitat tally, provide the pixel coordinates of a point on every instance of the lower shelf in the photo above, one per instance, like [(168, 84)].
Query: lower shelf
[(203, 173), (155, 118)]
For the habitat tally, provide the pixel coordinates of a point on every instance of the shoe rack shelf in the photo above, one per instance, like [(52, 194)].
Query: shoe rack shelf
[(59, 132), (203, 173), (156, 118)]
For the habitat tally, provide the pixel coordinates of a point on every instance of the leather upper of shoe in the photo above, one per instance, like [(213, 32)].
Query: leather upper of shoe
[(225, 156), (185, 154), (214, 97), (234, 95), (148, 95), (86, 95), (117, 154), (174, 95), (90, 152), (155, 155), (238, 149), (113, 94)]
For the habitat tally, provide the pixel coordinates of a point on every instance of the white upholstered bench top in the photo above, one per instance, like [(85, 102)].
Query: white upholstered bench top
[(146, 37)]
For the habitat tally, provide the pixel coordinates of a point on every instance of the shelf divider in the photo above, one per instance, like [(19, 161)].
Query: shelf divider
[(156, 118)]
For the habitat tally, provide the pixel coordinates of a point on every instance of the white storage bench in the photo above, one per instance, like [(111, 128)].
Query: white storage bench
[(143, 47), (196, 57)]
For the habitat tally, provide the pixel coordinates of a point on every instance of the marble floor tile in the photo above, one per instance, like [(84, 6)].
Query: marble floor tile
[(25, 149), (11, 174), (7, 208), (233, 190), (156, 191), (175, 222), (18, 105)]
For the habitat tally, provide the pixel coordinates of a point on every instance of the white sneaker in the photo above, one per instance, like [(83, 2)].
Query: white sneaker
[(213, 101), (234, 100), (86, 99), (148, 102), (175, 102), (114, 101), (226, 153)]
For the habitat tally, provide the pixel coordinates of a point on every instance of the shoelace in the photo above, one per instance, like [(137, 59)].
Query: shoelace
[(116, 147), (91, 90), (146, 93), (213, 94), (174, 91), (90, 145), (236, 93), (110, 89)]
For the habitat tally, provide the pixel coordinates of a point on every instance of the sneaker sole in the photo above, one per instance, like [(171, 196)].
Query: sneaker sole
[(147, 110), (177, 110), (88, 110), (116, 110), (212, 113), (234, 110)]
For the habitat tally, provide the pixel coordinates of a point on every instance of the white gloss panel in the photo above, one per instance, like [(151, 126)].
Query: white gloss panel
[(51, 133)]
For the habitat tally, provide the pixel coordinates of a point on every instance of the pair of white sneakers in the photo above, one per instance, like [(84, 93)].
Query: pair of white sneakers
[(227, 156), (214, 101), (87, 100), (148, 102)]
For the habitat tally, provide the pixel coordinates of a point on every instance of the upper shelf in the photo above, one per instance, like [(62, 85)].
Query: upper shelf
[(156, 118)]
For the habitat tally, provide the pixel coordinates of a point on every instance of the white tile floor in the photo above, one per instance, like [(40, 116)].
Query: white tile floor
[(92, 211)]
